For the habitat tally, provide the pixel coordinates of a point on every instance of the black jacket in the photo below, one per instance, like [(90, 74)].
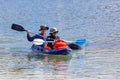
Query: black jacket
[(51, 38)]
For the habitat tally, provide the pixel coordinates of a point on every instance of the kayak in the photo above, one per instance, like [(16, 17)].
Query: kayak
[(60, 48), (40, 49)]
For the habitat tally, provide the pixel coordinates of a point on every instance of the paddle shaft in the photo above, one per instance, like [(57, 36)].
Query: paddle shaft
[(77, 41)]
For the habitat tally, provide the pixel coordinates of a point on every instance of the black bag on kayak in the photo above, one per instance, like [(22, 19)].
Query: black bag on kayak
[(74, 46)]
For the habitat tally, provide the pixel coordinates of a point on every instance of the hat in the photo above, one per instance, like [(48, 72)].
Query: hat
[(43, 27), (52, 30)]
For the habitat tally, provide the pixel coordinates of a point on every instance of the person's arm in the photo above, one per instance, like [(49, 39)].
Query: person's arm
[(29, 37)]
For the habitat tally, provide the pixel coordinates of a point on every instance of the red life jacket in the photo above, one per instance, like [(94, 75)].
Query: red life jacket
[(60, 44)]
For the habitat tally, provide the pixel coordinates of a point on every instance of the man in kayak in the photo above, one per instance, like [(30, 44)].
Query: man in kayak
[(52, 36), (42, 35)]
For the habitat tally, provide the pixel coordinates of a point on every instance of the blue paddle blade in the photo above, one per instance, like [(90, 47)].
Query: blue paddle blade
[(81, 42)]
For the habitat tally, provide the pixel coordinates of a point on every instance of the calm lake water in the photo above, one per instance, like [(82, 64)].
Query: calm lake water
[(98, 21)]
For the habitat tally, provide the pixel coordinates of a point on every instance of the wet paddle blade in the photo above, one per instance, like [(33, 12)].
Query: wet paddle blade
[(74, 46), (81, 42), (17, 27)]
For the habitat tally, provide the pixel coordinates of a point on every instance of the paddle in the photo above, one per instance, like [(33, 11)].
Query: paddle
[(80, 42), (17, 27)]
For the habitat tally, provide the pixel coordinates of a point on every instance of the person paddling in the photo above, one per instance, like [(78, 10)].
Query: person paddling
[(41, 35)]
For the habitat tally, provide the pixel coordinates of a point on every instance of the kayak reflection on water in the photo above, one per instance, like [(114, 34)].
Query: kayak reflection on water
[(53, 64)]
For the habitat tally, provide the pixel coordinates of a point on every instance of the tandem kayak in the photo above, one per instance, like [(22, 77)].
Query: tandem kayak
[(40, 49), (60, 48)]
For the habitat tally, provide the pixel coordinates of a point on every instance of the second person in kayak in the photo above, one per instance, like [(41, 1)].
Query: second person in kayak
[(52, 37)]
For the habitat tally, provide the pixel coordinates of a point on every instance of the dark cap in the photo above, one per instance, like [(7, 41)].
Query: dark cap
[(43, 27)]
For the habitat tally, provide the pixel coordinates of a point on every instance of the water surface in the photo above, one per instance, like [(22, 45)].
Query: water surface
[(95, 20)]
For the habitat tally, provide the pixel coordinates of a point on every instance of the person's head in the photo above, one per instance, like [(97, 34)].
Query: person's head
[(43, 28), (54, 31)]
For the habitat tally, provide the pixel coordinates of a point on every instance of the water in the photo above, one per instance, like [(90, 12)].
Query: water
[(96, 20)]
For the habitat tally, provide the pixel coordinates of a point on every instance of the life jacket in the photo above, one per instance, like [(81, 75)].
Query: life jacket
[(60, 44), (47, 47)]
